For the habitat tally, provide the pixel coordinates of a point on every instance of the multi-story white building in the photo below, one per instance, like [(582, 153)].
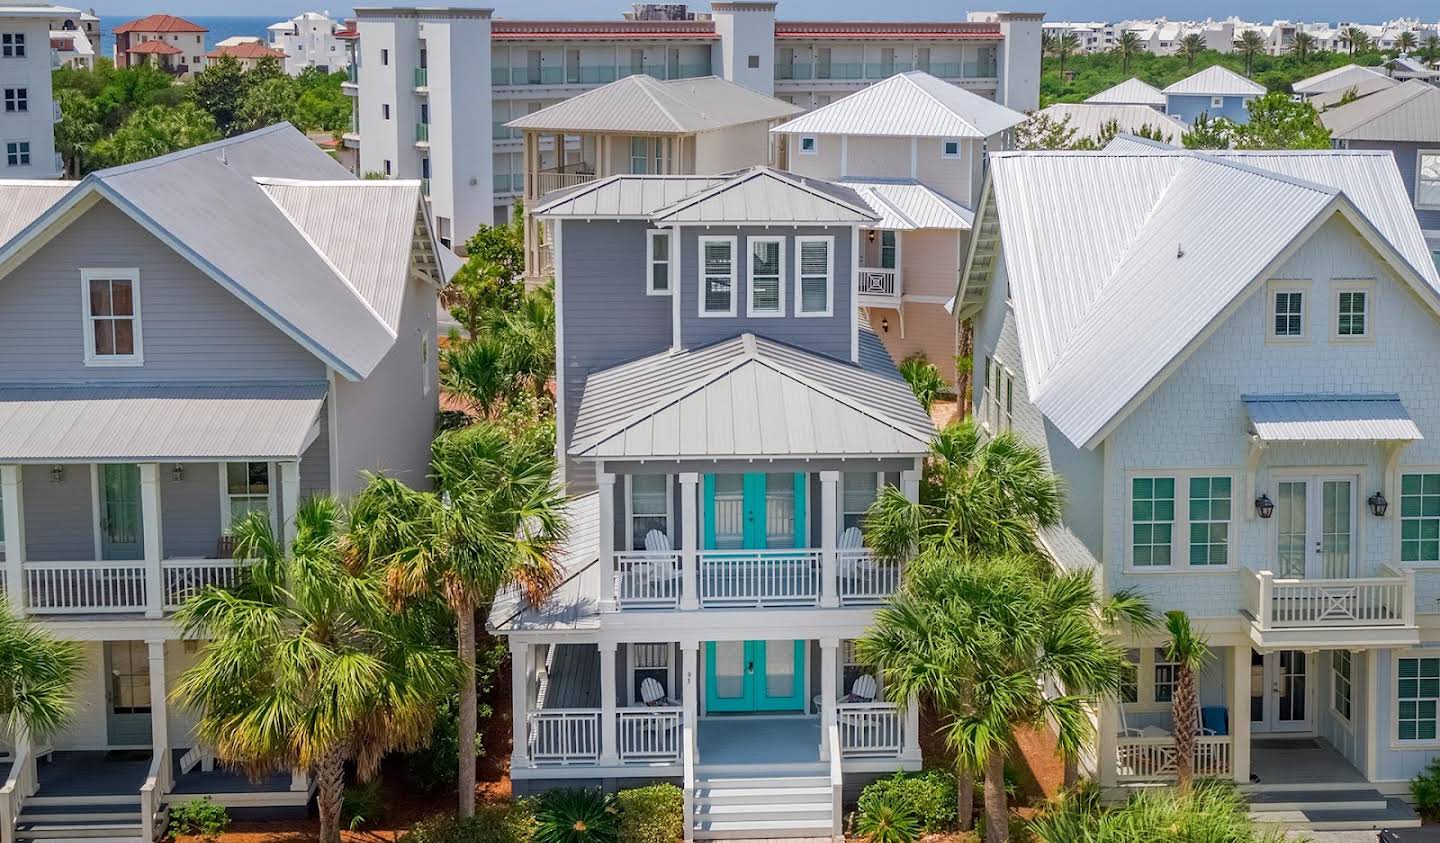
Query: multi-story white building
[(28, 113), (308, 40), (409, 74)]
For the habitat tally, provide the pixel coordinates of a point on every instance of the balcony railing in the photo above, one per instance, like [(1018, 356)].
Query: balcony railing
[(422, 132), (61, 588), (863, 580), (870, 730), (564, 736), (759, 578), (886, 69), (549, 180), (647, 579), (878, 283), (593, 74), (1383, 601), (508, 182), (352, 74), (422, 77), (184, 578), (650, 735), (499, 131), (1153, 759), (655, 579), (795, 70)]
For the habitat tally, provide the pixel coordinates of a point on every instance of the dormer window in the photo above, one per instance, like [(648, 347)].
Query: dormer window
[(809, 145), (950, 148), (112, 317)]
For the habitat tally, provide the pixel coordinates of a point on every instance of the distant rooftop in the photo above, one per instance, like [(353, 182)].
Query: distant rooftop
[(160, 23)]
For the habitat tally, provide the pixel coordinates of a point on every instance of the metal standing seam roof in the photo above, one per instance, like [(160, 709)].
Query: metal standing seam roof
[(46, 424), (1216, 81), (1330, 418), (1090, 119), (906, 205), (1410, 111), (1331, 99), (763, 194), (573, 604), (644, 104), (913, 104), (1130, 92), (1338, 79), (749, 396), (623, 196), (22, 202)]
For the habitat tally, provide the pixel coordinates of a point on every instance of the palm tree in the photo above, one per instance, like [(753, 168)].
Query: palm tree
[(1191, 46), (1188, 651), (1355, 38), (1406, 41), (1128, 47), (495, 519), (306, 666), (979, 639), (1062, 47), (512, 355), (37, 693), (1303, 46), (1432, 48), (1249, 45)]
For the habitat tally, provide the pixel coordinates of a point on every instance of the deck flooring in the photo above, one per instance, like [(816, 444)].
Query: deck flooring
[(759, 740), (1299, 761), (574, 677), (124, 773)]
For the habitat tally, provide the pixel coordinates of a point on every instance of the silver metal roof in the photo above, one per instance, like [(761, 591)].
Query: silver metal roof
[(1330, 418), (643, 104), (1130, 92), (1089, 119), (913, 104), (1410, 111), (573, 603), (624, 196), (1331, 99), (21, 202), (153, 423), (906, 205), (763, 194), (1338, 79), (749, 396), (1216, 81)]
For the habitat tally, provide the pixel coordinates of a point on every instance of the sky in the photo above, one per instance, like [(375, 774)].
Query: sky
[(1372, 11)]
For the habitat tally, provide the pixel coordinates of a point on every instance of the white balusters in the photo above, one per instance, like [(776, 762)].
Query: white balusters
[(185, 577), (57, 588), (759, 578), (870, 730), (564, 736), (1153, 759), (863, 580), (651, 735), (647, 579), (1358, 601)]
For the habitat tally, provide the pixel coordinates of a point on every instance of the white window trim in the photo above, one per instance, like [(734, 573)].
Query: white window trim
[(1419, 157), (130, 274), (1180, 533), (1217, 102), (28, 150), (1307, 307), (814, 145), (959, 148), (750, 310), (652, 258), (1145, 681), (1349, 285), (1394, 709), (996, 407), (427, 346), (630, 667), (669, 509), (829, 241), (271, 500), (1345, 722), (1399, 526), (733, 242)]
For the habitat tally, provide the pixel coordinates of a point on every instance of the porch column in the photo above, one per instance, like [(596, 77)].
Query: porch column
[(1107, 743), (159, 716), (1240, 713), (606, 482), (910, 483), (911, 752), (689, 541), (520, 702), (829, 483), (289, 497), (12, 497), (828, 693), (152, 529), (610, 735), (690, 684)]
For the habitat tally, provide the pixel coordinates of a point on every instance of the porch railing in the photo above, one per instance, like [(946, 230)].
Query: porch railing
[(548, 180), (19, 785), (1386, 600), (152, 795), (863, 580), (871, 730), (58, 588), (564, 736), (759, 578), (650, 735), (1153, 759), (877, 282), (647, 579), (186, 577)]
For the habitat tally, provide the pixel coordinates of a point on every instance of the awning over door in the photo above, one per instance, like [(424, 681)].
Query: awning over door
[(1330, 418)]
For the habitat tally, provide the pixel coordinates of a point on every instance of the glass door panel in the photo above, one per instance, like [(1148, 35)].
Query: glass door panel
[(780, 510), (728, 507), (1290, 517), (728, 683), (1336, 516), (1290, 689), (120, 535)]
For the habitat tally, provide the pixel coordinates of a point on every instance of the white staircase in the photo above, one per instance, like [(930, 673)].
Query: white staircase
[(1328, 807), (794, 805), (54, 819)]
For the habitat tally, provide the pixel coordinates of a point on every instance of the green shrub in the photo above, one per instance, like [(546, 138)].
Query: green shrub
[(1211, 811), (362, 805), (201, 818), (1425, 790), (502, 823), (654, 814), (929, 795), (576, 816), (434, 767), (923, 377), (887, 821)]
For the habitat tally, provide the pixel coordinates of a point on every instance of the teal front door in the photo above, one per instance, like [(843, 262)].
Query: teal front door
[(120, 530), (127, 694), (744, 676), (754, 511)]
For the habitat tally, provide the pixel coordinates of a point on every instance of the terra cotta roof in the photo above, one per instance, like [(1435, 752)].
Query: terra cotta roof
[(160, 23), (158, 47), (247, 50)]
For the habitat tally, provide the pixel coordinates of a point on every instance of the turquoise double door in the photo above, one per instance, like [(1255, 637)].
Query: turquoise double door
[(749, 512)]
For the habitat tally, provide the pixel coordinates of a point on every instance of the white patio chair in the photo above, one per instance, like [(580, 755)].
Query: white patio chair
[(645, 575), (853, 565), (863, 690), (653, 694), (656, 540)]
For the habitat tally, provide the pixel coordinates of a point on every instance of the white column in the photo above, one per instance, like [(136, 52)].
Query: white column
[(12, 497), (607, 539), (520, 702), (911, 752), (690, 684), (159, 716), (829, 483), (1106, 743), (689, 541), (152, 529), (910, 484), (610, 735), (289, 497), (828, 692), (1240, 713)]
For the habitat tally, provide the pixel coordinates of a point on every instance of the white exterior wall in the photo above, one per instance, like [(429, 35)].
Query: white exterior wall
[(381, 83), (730, 149), (461, 182), (37, 125), (1019, 61), (309, 41), (746, 30)]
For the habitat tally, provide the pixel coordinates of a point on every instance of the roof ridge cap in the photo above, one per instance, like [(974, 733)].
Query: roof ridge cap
[(931, 95), (651, 93)]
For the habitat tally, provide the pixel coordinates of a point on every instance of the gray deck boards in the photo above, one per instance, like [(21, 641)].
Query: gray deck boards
[(751, 739), (124, 773), (574, 677), (1305, 761)]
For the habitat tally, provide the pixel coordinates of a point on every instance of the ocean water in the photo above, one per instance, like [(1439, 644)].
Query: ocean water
[(220, 28)]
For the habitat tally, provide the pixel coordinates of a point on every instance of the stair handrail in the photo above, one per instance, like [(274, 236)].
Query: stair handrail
[(837, 780), (152, 793), (18, 785)]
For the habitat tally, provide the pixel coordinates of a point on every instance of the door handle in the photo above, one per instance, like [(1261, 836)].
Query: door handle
[(750, 667)]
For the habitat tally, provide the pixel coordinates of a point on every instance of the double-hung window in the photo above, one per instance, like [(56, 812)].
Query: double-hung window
[(17, 153), (657, 263), (1427, 179), (1181, 519), (649, 502), (858, 491), (12, 45), (1000, 391), (717, 276), (814, 271), (1166, 675), (1130, 677), (1340, 666), (652, 661), (1417, 692), (1420, 518), (17, 99), (639, 156), (1210, 499), (112, 317), (247, 490), (1352, 310), (1152, 521), (766, 270)]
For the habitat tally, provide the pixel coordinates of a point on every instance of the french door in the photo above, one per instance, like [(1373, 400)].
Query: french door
[(746, 676), (127, 693), (754, 511), (1315, 527), (1280, 691)]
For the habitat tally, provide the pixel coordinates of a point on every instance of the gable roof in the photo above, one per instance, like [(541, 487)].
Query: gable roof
[(247, 50), (1087, 287), (623, 196), (1331, 99), (1338, 79), (763, 194), (1410, 111), (1090, 119), (1411, 68), (644, 104), (1130, 92), (160, 23), (159, 48), (207, 205), (906, 205), (1216, 81), (913, 104)]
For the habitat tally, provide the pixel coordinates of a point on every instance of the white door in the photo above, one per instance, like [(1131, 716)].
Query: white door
[(1280, 691), (1315, 527)]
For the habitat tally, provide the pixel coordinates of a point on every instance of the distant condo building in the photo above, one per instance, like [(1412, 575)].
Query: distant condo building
[(308, 40), (1162, 36), (170, 43), (27, 123)]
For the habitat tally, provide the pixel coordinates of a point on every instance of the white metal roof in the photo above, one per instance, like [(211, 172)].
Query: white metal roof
[(1130, 92), (913, 104), (1330, 418), (151, 423), (749, 396), (624, 196), (22, 202), (1089, 120), (1338, 79), (906, 205), (1410, 111), (763, 194), (1216, 81), (1331, 99), (645, 105), (573, 604)]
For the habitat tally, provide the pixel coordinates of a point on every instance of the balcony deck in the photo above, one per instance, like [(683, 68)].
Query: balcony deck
[(108, 589), (1295, 613), (122, 773)]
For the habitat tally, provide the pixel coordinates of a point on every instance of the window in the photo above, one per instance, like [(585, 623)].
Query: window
[(247, 490), (950, 149), (12, 45), (112, 316), (1287, 310), (384, 56), (1152, 520), (1000, 387), (648, 497), (752, 62), (387, 167), (1340, 666), (1217, 102), (857, 491), (17, 99), (851, 668), (1352, 310), (767, 277), (17, 153), (657, 262), (1420, 518), (1417, 691), (809, 145), (717, 276), (1130, 677), (650, 661), (639, 156), (813, 267), (1209, 520), (1427, 179), (1165, 676)]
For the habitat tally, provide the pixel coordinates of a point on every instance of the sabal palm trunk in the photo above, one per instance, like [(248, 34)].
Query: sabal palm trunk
[(997, 805), (1183, 710), (466, 782), (329, 793), (964, 798)]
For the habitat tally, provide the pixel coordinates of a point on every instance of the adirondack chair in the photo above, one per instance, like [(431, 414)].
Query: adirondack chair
[(852, 565), (653, 694), (647, 576)]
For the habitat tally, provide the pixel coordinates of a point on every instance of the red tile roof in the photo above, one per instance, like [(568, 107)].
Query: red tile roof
[(347, 34), (248, 50), (547, 30), (157, 47), (160, 23), (875, 31)]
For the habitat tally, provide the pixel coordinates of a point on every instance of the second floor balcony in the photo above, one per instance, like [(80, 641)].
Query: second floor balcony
[(1294, 611)]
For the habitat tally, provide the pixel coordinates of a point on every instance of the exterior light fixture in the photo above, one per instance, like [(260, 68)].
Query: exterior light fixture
[(177, 473), (1378, 504), (1264, 507), (885, 324), (870, 236), (57, 474)]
